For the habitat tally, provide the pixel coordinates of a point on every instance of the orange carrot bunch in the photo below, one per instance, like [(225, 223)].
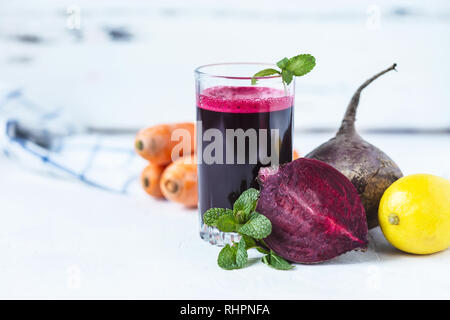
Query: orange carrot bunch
[(162, 178)]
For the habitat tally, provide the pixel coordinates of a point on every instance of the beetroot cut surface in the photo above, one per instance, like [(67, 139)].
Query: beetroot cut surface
[(315, 211)]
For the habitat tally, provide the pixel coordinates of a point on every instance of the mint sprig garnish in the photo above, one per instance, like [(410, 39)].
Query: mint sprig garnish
[(296, 66), (253, 228)]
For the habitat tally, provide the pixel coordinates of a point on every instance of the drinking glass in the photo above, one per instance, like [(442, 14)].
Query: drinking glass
[(241, 126)]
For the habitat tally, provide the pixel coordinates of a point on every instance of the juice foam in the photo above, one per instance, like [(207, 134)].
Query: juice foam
[(244, 99)]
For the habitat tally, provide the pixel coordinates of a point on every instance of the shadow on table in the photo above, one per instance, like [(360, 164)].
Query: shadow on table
[(379, 249)]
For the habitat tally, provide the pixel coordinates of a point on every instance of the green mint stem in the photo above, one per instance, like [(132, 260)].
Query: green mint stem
[(263, 244)]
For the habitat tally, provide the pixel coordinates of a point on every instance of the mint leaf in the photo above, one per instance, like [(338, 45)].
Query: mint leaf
[(227, 257), (241, 254), (227, 223), (275, 261), (233, 257), (283, 63), (287, 76), (245, 204), (301, 64), (212, 215), (258, 226), (264, 73)]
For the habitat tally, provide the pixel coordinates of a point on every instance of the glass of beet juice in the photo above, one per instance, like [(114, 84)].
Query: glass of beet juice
[(240, 128)]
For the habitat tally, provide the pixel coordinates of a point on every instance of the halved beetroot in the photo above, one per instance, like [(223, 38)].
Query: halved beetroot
[(316, 212)]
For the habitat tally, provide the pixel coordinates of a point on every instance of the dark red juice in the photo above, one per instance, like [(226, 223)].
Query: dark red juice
[(220, 184)]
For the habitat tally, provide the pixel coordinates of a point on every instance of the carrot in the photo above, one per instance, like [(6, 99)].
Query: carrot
[(179, 181), (150, 179), (156, 145), (295, 155)]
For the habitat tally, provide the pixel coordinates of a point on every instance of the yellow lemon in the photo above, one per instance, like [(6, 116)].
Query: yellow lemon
[(414, 214)]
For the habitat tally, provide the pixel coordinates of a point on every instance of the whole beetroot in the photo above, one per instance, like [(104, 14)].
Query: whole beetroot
[(369, 169), (315, 211)]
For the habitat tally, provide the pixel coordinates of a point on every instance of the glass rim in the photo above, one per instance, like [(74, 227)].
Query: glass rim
[(199, 70)]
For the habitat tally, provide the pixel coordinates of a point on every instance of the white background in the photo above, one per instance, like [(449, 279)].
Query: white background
[(150, 79)]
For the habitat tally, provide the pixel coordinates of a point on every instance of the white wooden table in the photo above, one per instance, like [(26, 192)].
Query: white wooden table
[(61, 239)]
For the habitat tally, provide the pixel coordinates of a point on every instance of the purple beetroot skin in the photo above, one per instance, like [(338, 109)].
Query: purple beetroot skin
[(316, 212)]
